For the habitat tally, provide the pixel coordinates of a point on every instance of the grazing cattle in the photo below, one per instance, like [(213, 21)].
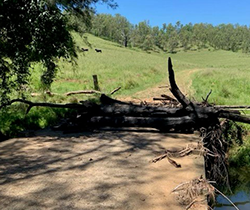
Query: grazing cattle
[(84, 50), (99, 51)]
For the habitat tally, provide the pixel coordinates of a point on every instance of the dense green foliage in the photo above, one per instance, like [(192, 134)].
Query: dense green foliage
[(37, 31), (30, 31), (170, 37)]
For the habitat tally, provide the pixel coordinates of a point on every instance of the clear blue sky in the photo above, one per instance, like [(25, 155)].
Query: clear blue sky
[(158, 12)]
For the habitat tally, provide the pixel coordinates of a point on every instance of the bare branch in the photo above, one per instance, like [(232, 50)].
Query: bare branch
[(32, 104), (82, 92), (205, 100), (115, 90), (174, 88)]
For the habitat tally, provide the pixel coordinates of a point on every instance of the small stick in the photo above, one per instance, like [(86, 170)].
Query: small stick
[(159, 158), (193, 202), (115, 90), (176, 165), (205, 100), (169, 160), (164, 86)]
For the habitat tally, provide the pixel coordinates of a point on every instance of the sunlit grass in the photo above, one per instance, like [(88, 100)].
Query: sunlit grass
[(226, 73), (115, 66)]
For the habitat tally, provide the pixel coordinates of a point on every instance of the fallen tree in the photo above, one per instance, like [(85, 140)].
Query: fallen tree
[(187, 117)]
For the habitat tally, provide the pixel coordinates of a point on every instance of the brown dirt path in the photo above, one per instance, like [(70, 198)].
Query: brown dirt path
[(93, 171), (183, 80)]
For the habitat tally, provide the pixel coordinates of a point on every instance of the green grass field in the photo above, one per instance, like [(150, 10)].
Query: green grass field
[(116, 66), (226, 73)]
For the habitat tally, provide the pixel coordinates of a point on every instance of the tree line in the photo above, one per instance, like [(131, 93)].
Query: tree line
[(171, 37)]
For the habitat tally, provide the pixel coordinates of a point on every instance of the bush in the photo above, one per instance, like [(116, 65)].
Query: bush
[(14, 119)]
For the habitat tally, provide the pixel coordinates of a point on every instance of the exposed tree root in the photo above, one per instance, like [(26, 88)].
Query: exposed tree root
[(194, 192)]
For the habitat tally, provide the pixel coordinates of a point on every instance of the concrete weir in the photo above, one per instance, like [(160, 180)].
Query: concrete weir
[(95, 170)]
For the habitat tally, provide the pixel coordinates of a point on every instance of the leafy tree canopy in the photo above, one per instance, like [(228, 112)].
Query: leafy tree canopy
[(36, 31)]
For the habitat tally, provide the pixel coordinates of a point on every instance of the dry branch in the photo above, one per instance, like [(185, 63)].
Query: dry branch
[(44, 104), (111, 112), (232, 106), (166, 155), (174, 88), (115, 90), (82, 92), (205, 100), (168, 97), (164, 86), (196, 190)]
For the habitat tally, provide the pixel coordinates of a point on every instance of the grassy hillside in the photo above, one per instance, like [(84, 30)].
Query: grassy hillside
[(116, 66), (226, 73)]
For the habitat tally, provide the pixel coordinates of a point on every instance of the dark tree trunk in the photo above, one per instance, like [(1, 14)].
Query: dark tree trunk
[(114, 113)]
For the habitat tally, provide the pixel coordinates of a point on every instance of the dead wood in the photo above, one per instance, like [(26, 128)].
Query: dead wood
[(205, 100), (43, 104), (160, 157), (115, 90), (232, 106), (82, 92), (49, 93), (168, 97), (174, 88), (176, 165), (196, 190), (164, 86), (160, 99), (110, 112), (171, 161)]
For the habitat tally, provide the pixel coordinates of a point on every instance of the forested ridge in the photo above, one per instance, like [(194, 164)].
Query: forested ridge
[(169, 37)]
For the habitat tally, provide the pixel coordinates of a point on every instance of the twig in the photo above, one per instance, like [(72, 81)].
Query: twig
[(178, 186), (159, 158), (176, 165), (205, 100), (232, 106), (115, 90), (168, 97), (82, 92), (193, 202), (226, 198), (164, 86), (169, 160), (32, 104)]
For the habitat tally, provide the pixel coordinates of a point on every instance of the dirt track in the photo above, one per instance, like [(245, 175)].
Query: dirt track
[(93, 171)]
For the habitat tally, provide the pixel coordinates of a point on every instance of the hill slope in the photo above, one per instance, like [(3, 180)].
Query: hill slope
[(116, 66)]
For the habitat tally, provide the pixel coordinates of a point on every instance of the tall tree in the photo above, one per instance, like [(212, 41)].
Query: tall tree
[(123, 29), (185, 36), (35, 31)]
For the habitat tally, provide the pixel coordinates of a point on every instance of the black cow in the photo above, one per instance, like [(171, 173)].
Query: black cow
[(99, 51), (84, 50)]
